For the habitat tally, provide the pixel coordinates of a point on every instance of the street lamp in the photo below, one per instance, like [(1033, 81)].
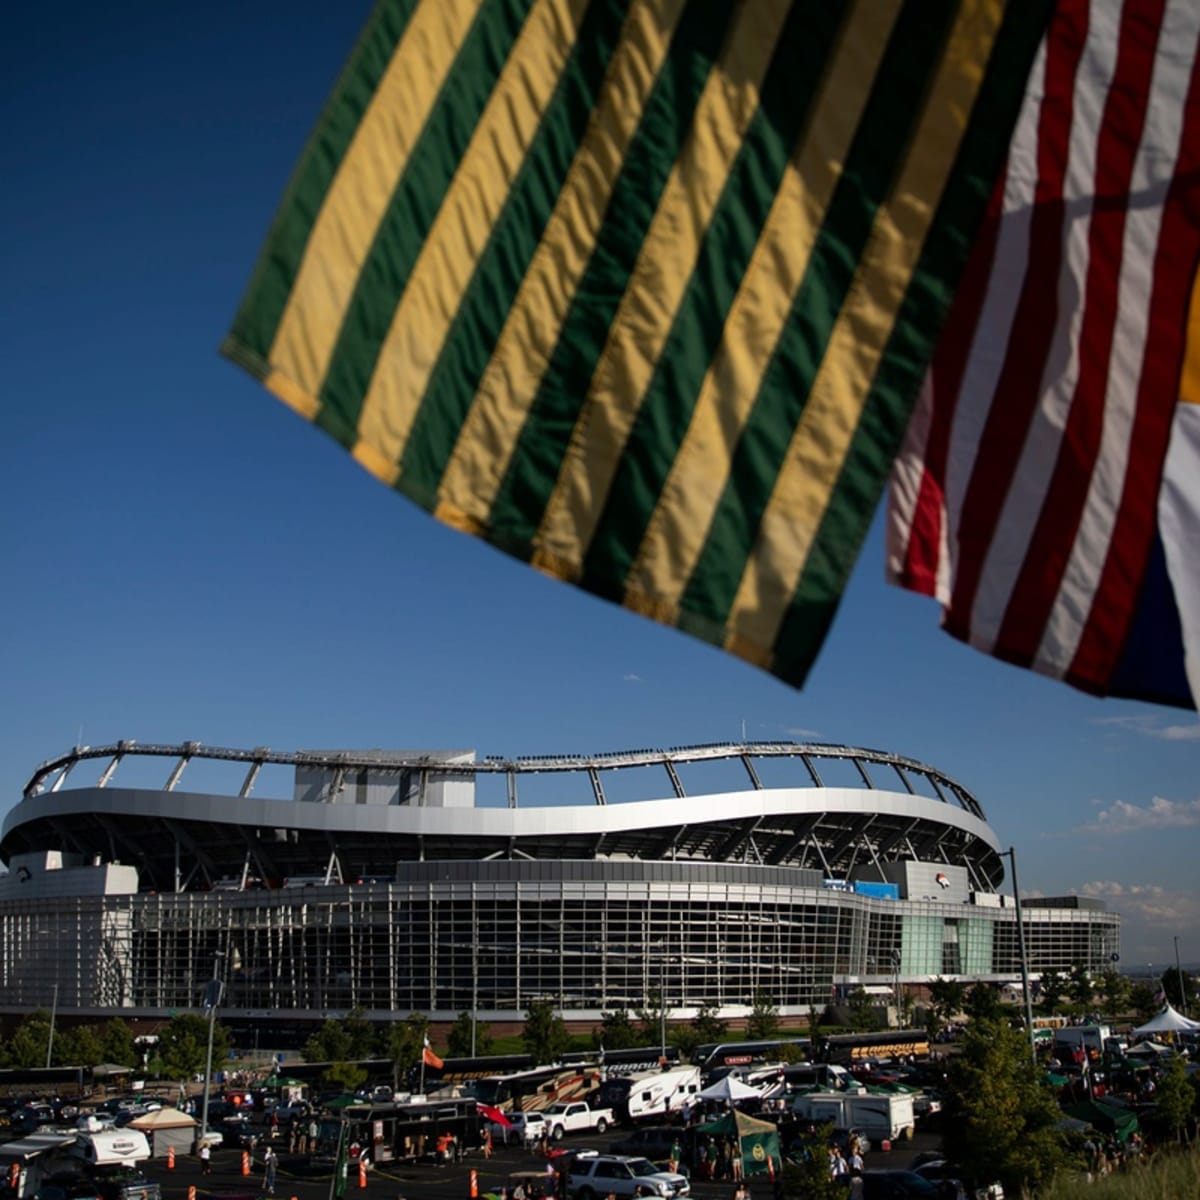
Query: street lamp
[(1011, 855), (54, 1008), (212, 997), (1179, 976)]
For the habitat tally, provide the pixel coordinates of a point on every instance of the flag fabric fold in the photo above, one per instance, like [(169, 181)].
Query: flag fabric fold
[(429, 1058), (641, 291), (1047, 491), (493, 1114)]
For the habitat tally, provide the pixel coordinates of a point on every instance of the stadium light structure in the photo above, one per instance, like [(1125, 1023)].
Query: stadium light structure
[(1011, 855)]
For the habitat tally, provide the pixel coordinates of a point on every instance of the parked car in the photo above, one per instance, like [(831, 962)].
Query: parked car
[(940, 1171), (238, 1132), (650, 1141), (621, 1176), (212, 1138), (899, 1185), (523, 1128)]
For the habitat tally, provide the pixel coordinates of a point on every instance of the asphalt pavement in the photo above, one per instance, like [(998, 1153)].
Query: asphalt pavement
[(296, 1180)]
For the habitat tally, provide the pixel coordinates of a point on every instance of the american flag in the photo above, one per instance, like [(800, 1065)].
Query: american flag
[(1034, 495)]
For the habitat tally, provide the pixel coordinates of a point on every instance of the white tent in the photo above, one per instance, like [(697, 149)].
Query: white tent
[(1148, 1050), (1168, 1021), (730, 1088)]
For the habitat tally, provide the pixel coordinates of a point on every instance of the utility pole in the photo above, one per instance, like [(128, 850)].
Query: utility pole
[(54, 1013)]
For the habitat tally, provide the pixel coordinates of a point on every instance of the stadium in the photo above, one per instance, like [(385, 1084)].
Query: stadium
[(434, 882)]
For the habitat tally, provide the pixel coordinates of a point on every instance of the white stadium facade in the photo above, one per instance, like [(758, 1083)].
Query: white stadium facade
[(432, 882)]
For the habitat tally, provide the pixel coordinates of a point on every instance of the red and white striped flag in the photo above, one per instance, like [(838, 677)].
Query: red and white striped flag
[(1029, 497)]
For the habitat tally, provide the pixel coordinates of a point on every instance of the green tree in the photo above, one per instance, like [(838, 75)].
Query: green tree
[(1114, 992), (78, 1047), (545, 1034), (1080, 987), (807, 1172), (1053, 988), (764, 1017), (1175, 1097), (862, 1009), (342, 1039), (999, 1117), (983, 1003), (1142, 1000), (1179, 988), (946, 997), (30, 1040), (459, 1040), (183, 1045), (617, 1030), (345, 1076), (652, 1019), (117, 1044), (709, 1027), (402, 1043), (814, 1033)]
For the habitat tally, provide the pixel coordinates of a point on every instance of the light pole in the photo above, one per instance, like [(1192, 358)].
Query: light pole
[(896, 987), (54, 1009), (212, 997), (1011, 855), (1179, 976)]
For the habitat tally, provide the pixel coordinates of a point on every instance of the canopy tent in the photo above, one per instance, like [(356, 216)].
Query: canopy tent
[(758, 1141), (282, 1081), (163, 1118), (1148, 1050), (730, 1088), (105, 1070), (167, 1129), (1168, 1021), (1105, 1118)]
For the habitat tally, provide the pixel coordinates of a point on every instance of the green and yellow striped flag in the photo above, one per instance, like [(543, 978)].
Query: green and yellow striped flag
[(641, 291)]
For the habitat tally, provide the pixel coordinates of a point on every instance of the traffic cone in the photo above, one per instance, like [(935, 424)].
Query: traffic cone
[(14, 1175), (170, 1158), (474, 1186), (362, 1173), (245, 1162), (191, 1193)]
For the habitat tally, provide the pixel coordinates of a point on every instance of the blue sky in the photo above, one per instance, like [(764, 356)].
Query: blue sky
[(186, 559)]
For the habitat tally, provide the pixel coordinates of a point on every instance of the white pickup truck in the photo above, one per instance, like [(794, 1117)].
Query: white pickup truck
[(576, 1117)]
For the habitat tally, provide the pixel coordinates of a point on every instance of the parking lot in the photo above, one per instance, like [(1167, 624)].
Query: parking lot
[(424, 1181)]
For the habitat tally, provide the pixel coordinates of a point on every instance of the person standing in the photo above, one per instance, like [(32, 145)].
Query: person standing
[(206, 1159), (270, 1161)]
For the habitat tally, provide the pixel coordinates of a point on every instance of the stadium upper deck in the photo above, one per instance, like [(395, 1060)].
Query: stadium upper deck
[(372, 810)]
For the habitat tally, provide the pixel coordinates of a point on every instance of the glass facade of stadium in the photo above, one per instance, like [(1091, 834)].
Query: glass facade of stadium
[(492, 936)]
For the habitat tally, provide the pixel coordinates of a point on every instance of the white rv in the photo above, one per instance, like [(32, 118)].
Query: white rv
[(650, 1094), (879, 1115)]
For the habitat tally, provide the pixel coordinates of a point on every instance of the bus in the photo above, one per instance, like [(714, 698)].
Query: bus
[(535, 1089), (718, 1055), (850, 1049)]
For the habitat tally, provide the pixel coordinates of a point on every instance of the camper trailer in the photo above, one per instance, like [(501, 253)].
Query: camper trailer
[(650, 1094), (881, 1116)]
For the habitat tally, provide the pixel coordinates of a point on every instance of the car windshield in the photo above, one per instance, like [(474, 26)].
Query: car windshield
[(642, 1166)]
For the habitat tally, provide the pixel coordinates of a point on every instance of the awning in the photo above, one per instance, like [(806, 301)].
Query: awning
[(37, 1143)]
